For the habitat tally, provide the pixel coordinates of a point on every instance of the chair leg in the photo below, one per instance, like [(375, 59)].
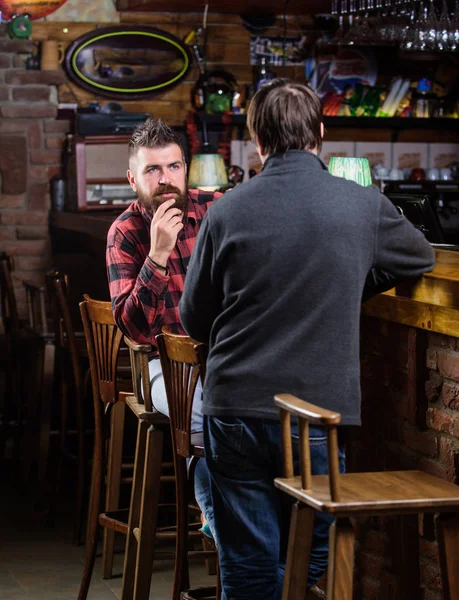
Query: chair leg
[(405, 556), (93, 516), (130, 557), (341, 560), (148, 513), (448, 543), (34, 367), (211, 563), (81, 481), (298, 552), (181, 574), (45, 414), (115, 459), (18, 409), (81, 460)]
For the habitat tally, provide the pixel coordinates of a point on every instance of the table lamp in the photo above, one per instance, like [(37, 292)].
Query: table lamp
[(355, 169), (207, 172)]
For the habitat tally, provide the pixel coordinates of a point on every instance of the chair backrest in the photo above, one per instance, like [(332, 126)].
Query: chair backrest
[(138, 354), (65, 339), (308, 413), (8, 305), (36, 308), (183, 361), (103, 340)]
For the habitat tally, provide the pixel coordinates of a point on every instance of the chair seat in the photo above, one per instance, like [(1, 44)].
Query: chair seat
[(370, 493), (155, 418), (197, 444)]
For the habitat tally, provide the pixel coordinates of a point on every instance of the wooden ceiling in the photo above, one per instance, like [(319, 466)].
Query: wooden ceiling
[(238, 7)]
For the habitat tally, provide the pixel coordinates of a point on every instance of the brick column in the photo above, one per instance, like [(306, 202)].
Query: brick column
[(31, 143), (410, 420)]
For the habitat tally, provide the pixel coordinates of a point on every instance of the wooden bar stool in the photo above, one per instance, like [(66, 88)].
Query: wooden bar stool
[(183, 362), (406, 493), (71, 387), (28, 366), (138, 523)]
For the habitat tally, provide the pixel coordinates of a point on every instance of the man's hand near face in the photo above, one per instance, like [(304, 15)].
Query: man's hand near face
[(164, 230)]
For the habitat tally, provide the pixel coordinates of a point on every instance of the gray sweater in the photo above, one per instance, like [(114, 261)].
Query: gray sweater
[(275, 285)]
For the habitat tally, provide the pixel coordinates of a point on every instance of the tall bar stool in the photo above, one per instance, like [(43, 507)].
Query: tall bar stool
[(183, 362), (138, 523), (103, 340), (71, 374), (406, 493), (23, 339)]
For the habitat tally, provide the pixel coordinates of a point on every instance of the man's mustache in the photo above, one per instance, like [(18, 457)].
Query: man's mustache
[(166, 189)]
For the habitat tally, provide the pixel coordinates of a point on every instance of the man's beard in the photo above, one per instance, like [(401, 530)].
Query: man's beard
[(153, 201)]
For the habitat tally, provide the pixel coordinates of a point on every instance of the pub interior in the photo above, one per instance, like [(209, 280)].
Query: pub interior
[(387, 73)]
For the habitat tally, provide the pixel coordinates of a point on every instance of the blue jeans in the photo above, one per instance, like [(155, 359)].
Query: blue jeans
[(252, 517)]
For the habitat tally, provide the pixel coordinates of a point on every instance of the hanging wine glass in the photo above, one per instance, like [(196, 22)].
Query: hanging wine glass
[(408, 40), (454, 29), (431, 27), (443, 33)]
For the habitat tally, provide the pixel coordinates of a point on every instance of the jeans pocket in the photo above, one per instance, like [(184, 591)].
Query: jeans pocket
[(226, 437)]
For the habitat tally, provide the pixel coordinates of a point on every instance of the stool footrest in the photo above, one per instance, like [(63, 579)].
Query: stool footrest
[(205, 593)]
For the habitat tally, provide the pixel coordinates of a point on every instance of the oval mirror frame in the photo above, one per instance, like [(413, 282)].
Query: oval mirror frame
[(152, 76)]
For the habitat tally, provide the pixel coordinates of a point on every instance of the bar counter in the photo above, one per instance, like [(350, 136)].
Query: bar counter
[(410, 420), (78, 242), (430, 303)]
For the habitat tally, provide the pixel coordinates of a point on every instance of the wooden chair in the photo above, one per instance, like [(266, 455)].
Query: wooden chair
[(406, 493), (183, 362), (71, 379), (104, 341), (23, 376), (13, 403)]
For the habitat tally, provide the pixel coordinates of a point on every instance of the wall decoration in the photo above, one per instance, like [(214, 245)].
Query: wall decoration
[(127, 62), (35, 8), (100, 11), (273, 49)]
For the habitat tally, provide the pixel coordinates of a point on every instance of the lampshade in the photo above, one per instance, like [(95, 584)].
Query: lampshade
[(207, 172), (355, 169)]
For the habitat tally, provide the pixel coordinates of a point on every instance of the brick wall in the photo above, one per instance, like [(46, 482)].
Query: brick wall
[(410, 420), (30, 155)]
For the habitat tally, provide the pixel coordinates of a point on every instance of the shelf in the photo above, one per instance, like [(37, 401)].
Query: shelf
[(393, 123), (354, 122)]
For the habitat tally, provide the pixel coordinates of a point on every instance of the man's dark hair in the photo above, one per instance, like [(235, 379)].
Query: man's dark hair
[(285, 115), (153, 133)]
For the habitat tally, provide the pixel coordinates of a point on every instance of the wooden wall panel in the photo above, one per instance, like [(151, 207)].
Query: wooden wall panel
[(228, 47)]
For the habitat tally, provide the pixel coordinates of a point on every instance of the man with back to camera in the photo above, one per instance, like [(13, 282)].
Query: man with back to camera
[(275, 286), (149, 247)]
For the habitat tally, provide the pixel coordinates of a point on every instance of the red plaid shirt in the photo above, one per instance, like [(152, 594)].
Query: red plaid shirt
[(143, 297)]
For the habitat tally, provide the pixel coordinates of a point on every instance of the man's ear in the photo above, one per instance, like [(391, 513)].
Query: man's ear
[(131, 179), (260, 149), (322, 130)]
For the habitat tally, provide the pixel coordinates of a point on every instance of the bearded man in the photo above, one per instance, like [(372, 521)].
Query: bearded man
[(149, 246)]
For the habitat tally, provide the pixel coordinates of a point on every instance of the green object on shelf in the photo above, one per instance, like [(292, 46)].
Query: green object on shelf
[(20, 27), (355, 169)]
